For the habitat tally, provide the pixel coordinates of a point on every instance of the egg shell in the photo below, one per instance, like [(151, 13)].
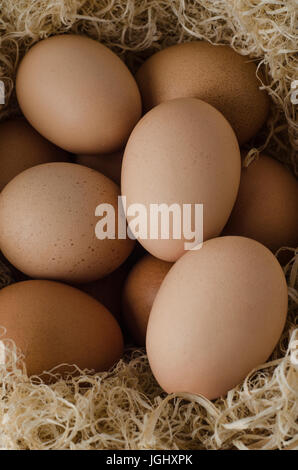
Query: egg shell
[(266, 208), (16, 275), (109, 165), (108, 290), (215, 74), (52, 324), (219, 313), (78, 94), (140, 289), (182, 152), (21, 147), (47, 221)]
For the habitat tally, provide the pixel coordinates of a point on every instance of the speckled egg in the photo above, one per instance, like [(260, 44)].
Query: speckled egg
[(78, 94), (140, 289)]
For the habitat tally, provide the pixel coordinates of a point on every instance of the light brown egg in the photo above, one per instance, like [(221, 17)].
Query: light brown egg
[(218, 314), (266, 208), (109, 165), (78, 94), (182, 152), (53, 324), (140, 289), (215, 74), (21, 147), (48, 223)]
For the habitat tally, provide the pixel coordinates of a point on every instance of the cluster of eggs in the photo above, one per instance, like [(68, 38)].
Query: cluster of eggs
[(208, 315)]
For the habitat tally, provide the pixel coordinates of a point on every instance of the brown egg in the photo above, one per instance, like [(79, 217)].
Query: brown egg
[(218, 314), (78, 94), (266, 208), (53, 324), (215, 74), (139, 293), (48, 223), (108, 165), (21, 147), (108, 290), (182, 152)]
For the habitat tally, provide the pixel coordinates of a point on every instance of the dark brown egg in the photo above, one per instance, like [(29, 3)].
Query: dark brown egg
[(49, 223), (53, 324), (109, 165), (139, 293)]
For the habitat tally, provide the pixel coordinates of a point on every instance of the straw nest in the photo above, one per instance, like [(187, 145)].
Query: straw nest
[(124, 408)]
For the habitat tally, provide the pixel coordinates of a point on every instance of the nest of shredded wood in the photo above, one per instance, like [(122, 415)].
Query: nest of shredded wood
[(125, 408)]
